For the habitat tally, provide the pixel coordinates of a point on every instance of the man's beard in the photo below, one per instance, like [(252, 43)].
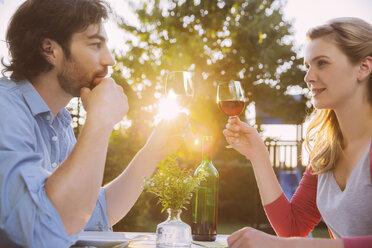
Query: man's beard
[(73, 78)]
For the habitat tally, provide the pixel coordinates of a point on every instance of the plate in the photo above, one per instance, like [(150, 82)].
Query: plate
[(101, 239)]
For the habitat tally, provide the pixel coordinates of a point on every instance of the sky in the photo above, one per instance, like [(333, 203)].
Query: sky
[(302, 13)]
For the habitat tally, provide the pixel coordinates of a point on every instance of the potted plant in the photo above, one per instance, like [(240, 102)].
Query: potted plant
[(173, 184)]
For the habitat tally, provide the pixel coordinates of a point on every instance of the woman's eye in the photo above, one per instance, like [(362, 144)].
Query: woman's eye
[(322, 62)]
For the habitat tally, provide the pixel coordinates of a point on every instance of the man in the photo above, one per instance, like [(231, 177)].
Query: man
[(49, 183)]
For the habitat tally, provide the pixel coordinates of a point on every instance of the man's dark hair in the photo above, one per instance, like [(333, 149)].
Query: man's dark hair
[(36, 20)]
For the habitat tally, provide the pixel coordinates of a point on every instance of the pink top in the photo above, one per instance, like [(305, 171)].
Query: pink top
[(299, 216)]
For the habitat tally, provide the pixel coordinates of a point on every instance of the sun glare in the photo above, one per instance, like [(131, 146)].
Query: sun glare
[(171, 94), (168, 108)]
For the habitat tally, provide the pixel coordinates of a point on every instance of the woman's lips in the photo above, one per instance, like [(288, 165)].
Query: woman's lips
[(317, 92)]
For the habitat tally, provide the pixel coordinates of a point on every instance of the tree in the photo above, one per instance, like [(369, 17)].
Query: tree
[(219, 41)]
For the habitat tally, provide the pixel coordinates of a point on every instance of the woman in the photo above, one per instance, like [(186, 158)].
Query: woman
[(336, 187)]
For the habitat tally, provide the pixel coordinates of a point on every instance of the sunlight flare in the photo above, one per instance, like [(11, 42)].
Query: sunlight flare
[(169, 108)]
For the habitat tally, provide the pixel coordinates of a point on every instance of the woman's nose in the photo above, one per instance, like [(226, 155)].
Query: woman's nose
[(309, 76)]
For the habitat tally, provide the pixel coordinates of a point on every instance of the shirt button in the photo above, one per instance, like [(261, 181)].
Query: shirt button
[(54, 138), (54, 165), (48, 117)]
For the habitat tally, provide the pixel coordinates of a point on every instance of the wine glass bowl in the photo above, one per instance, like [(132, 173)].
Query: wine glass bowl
[(179, 85), (179, 91), (231, 107), (231, 100)]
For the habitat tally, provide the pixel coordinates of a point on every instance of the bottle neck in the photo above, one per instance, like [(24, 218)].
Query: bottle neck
[(206, 148), (174, 214), (206, 157)]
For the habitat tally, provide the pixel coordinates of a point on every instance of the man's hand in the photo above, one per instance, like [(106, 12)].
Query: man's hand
[(168, 135), (106, 103)]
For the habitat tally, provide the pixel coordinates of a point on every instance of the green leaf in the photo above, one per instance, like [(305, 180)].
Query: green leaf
[(172, 183)]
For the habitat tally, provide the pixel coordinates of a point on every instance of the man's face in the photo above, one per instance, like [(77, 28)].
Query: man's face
[(88, 60)]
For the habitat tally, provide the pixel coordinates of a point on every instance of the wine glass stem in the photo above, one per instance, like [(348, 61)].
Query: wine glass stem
[(235, 144)]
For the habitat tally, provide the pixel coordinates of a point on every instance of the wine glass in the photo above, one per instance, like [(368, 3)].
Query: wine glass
[(179, 85), (231, 100), (179, 89)]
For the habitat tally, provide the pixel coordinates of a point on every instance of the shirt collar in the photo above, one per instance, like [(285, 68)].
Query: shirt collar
[(38, 106), (35, 102), (65, 117)]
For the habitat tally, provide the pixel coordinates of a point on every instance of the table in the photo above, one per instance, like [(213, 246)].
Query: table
[(221, 239), (140, 240)]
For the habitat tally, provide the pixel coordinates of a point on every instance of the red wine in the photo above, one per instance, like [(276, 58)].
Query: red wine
[(231, 107)]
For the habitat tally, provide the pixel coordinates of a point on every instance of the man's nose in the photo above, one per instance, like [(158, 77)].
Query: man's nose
[(107, 59)]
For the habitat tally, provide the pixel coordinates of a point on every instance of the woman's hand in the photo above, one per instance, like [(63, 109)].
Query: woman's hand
[(251, 238), (239, 132)]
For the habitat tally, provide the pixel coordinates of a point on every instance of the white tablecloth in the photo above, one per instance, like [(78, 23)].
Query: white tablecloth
[(134, 240)]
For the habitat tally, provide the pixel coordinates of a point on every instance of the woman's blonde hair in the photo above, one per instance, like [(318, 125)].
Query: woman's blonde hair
[(324, 139)]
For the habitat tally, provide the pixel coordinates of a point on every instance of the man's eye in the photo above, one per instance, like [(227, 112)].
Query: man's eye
[(97, 45)]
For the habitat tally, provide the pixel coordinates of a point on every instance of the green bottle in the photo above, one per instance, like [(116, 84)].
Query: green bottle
[(205, 200)]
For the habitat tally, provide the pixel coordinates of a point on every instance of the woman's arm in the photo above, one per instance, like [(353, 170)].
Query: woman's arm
[(252, 238), (296, 218), (348, 242), (255, 150)]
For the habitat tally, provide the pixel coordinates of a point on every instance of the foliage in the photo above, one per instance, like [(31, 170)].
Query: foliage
[(173, 184), (218, 41), (244, 40)]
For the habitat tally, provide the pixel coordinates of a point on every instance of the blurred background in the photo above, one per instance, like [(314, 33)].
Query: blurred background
[(257, 42)]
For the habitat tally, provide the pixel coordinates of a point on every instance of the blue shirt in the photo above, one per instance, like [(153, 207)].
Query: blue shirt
[(32, 145)]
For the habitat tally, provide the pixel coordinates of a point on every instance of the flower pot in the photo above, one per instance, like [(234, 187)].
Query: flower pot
[(173, 232)]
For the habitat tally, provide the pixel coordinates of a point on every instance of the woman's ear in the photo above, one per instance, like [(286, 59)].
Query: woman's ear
[(365, 68), (51, 50)]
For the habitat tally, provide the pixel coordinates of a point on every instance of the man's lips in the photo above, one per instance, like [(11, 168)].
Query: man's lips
[(101, 74), (98, 78), (317, 91)]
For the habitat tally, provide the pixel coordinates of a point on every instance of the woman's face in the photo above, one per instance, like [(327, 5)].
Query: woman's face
[(330, 76)]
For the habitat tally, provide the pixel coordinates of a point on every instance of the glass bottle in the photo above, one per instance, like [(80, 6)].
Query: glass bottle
[(173, 232), (205, 200)]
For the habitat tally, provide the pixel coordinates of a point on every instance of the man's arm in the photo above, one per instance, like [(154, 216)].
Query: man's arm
[(122, 193), (27, 216), (73, 188)]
